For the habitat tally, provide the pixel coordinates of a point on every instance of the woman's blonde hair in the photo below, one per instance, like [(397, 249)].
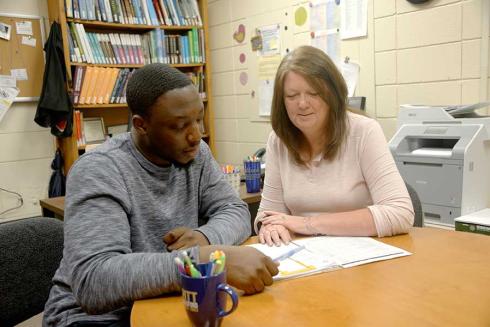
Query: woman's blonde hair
[(323, 76)]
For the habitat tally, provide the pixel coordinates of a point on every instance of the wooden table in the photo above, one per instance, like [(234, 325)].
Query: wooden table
[(53, 206), (56, 205), (446, 282)]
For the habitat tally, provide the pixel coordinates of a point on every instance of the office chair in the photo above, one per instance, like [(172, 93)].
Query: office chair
[(357, 102), (31, 250), (417, 206)]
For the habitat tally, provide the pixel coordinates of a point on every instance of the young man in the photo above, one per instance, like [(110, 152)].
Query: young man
[(135, 200)]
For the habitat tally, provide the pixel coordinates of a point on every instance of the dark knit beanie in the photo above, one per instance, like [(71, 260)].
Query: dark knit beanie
[(150, 82)]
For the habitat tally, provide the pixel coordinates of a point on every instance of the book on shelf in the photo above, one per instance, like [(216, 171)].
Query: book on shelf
[(74, 51), (77, 82), (139, 12), (124, 17), (312, 255), (154, 46), (100, 85), (78, 122), (88, 78), (93, 83), (105, 85)]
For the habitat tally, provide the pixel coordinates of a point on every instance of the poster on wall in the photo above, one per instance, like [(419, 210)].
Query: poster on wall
[(267, 72), (8, 92), (271, 40), (329, 42), (266, 91), (325, 15), (350, 72), (5, 31), (7, 97), (325, 27), (354, 18)]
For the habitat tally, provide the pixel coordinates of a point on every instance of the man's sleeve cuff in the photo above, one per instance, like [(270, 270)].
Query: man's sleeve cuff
[(210, 234)]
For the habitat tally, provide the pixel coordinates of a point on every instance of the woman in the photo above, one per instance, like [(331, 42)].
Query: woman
[(329, 170)]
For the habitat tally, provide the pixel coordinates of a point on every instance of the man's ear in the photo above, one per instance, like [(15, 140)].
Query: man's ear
[(139, 124)]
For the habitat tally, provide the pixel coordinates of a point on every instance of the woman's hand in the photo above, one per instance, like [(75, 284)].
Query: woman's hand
[(294, 224), (274, 235)]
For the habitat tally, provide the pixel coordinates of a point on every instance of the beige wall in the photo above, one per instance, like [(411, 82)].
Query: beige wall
[(412, 54), (425, 54), (26, 150)]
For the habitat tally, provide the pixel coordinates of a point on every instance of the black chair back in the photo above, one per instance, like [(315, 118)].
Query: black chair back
[(31, 250)]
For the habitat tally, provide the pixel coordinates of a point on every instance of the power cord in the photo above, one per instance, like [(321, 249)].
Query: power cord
[(21, 200)]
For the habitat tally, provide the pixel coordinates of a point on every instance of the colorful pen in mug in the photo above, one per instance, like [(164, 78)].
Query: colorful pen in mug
[(193, 272), (180, 265)]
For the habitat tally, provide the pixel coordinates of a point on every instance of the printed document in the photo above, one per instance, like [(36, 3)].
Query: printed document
[(7, 97), (325, 253)]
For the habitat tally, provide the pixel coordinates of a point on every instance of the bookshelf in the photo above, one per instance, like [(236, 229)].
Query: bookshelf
[(115, 114)]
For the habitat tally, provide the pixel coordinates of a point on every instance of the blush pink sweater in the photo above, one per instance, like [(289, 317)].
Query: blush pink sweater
[(363, 175)]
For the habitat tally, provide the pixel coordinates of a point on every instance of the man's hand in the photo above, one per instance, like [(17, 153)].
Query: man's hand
[(183, 237), (247, 268)]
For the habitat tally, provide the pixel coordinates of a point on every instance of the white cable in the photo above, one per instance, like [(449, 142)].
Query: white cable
[(21, 201)]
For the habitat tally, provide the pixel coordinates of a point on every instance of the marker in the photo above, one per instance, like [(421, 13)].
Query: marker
[(223, 261), (289, 253), (193, 272), (216, 267), (218, 259), (180, 265)]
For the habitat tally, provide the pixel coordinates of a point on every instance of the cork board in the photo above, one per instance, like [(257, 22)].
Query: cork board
[(19, 53)]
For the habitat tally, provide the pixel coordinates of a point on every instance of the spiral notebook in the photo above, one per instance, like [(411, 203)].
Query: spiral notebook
[(324, 253)]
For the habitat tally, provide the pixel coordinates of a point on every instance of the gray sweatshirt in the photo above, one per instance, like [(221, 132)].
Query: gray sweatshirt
[(118, 206)]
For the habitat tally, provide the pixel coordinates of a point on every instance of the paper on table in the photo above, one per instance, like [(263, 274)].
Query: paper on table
[(302, 263), (351, 251), (326, 253), (274, 251)]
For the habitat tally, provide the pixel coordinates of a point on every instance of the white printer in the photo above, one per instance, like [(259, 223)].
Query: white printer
[(446, 160)]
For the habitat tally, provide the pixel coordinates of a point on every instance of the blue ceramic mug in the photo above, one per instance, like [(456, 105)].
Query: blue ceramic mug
[(205, 298)]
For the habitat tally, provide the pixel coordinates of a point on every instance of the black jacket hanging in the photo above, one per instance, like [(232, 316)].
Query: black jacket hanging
[(57, 180), (55, 108)]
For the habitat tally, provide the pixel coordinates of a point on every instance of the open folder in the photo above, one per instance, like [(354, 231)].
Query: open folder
[(324, 253)]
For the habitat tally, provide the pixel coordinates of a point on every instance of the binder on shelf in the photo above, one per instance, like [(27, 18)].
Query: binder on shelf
[(91, 87), (84, 87)]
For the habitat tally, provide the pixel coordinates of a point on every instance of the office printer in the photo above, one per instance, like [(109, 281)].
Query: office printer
[(446, 160)]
